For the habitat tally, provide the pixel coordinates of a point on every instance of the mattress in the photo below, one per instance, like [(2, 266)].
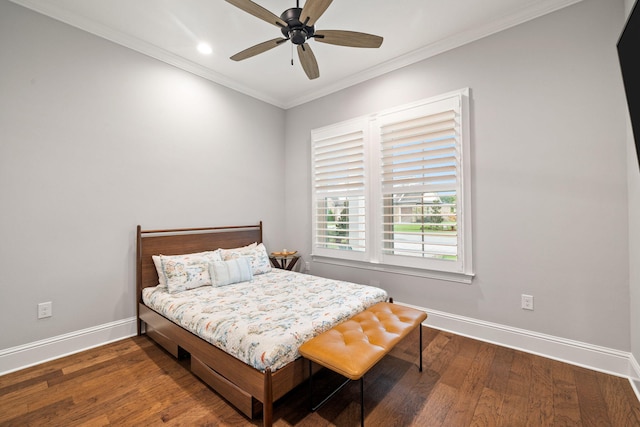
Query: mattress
[(263, 322)]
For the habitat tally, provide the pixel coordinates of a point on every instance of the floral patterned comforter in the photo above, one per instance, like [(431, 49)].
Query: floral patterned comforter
[(263, 322)]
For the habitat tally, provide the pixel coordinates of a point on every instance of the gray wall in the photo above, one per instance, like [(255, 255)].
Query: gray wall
[(634, 235), (549, 172), (95, 139)]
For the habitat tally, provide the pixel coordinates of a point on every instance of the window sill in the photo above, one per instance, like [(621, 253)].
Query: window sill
[(465, 278)]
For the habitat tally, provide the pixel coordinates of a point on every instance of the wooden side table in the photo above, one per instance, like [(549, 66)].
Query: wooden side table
[(285, 262)]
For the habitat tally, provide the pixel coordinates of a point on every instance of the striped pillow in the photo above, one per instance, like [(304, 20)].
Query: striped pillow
[(232, 271)]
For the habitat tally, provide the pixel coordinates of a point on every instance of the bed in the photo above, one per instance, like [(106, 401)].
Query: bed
[(252, 370)]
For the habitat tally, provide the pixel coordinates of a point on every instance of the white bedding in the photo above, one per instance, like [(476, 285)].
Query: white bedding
[(263, 322)]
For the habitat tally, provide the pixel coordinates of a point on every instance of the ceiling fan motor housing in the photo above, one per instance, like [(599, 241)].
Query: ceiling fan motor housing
[(295, 30)]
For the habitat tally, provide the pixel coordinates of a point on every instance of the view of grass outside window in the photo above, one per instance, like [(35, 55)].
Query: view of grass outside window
[(421, 225)]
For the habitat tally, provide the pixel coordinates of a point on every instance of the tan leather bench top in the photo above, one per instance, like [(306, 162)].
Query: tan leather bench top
[(356, 345)]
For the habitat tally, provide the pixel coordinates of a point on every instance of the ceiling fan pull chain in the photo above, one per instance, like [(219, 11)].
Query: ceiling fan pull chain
[(291, 54)]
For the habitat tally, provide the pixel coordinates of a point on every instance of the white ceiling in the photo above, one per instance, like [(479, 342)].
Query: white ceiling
[(170, 30)]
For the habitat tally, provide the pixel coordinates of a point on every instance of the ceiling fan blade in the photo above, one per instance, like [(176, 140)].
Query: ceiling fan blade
[(308, 61), (312, 10), (348, 38), (259, 48), (258, 11)]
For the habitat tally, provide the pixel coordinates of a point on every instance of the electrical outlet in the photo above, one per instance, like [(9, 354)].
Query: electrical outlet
[(307, 266), (45, 309), (527, 302)]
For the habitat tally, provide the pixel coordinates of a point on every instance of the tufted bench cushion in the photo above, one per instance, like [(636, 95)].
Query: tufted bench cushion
[(356, 345)]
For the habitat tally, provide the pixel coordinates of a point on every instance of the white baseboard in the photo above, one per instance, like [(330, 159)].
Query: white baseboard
[(602, 359), (23, 356), (635, 380), (590, 356)]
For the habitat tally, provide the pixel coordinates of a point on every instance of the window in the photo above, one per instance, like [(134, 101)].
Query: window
[(339, 190), (391, 190)]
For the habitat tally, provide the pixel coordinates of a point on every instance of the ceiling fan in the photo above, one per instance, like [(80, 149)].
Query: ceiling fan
[(298, 25)]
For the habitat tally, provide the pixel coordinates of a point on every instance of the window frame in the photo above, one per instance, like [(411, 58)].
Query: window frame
[(373, 258), (321, 135)]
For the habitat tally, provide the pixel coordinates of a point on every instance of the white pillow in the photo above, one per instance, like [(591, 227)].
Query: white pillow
[(257, 255), (224, 252), (162, 280), (181, 272), (227, 272)]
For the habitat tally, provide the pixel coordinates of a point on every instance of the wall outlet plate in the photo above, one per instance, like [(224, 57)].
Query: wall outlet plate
[(45, 309), (527, 302)]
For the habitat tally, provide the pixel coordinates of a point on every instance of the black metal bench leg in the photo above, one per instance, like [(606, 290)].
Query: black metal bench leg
[(333, 393), (362, 401), (311, 385), (420, 349)]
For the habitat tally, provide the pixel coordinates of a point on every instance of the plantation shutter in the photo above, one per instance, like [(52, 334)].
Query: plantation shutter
[(391, 190), (420, 180), (338, 156)]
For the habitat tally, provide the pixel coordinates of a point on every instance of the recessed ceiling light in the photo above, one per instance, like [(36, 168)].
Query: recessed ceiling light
[(204, 49)]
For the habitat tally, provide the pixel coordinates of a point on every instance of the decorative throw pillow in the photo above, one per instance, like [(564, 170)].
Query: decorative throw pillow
[(224, 253), (227, 272), (162, 280), (257, 255), (182, 272)]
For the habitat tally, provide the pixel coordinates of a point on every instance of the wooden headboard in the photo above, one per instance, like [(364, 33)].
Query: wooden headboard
[(184, 241)]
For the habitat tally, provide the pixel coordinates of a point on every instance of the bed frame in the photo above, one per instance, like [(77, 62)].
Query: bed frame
[(248, 389)]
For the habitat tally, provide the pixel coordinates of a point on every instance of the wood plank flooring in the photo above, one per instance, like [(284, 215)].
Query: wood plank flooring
[(465, 382)]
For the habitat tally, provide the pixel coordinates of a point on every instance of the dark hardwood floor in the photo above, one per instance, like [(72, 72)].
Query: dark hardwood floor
[(465, 382)]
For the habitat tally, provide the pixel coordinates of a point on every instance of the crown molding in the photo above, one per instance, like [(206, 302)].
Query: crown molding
[(53, 11), (535, 10)]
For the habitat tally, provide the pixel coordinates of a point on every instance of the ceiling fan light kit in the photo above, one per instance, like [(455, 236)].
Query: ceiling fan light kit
[(298, 25)]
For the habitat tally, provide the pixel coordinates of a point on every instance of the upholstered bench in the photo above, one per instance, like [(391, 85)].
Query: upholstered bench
[(353, 347)]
